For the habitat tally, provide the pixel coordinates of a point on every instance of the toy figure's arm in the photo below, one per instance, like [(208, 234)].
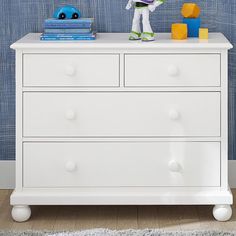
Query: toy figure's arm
[(129, 4), (157, 3)]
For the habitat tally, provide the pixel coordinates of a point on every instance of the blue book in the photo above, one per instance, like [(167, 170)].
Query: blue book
[(67, 24), (75, 26), (68, 31), (51, 37), (68, 35), (67, 39), (69, 21)]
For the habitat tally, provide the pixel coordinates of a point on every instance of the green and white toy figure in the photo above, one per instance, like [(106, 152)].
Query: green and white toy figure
[(142, 8)]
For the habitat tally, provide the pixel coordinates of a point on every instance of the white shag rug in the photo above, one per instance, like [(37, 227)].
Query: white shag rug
[(106, 232)]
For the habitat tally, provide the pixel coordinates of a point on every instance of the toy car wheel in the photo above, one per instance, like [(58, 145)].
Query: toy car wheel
[(62, 16), (75, 16)]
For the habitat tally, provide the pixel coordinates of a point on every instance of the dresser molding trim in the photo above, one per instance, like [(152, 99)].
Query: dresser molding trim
[(119, 41), (119, 197)]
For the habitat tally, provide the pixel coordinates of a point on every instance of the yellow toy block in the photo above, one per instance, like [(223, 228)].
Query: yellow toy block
[(203, 33), (179, 31), (190, 10)]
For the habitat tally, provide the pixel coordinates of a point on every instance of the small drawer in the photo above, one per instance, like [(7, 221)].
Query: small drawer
[(121, 164), (81, 70), (172, 70), (121, 114)]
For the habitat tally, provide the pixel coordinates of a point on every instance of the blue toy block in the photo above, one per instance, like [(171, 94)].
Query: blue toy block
[(194, 25)]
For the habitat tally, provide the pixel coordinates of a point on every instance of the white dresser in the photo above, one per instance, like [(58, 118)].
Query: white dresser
[(114, 122)]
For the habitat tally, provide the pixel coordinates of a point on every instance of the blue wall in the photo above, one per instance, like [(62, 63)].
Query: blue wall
[(18, 17)]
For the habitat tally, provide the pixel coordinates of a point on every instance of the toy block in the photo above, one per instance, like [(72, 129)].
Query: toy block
[(203, 33), (194, 25), (190, 10), (179, 31)]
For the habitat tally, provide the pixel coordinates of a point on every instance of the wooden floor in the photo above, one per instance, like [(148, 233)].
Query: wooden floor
[(114, 217)]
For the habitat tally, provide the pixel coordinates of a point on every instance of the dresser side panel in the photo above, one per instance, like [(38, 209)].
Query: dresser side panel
[(19, 119)]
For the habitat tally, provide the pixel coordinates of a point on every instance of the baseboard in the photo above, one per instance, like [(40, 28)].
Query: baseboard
[(232, 174), (7, 174)]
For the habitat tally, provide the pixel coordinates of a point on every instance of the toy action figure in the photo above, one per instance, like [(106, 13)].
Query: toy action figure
[(142, 8)]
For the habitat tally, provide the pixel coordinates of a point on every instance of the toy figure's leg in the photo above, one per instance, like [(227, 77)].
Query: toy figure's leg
[(148, 34), (146, 21), (136, 30)]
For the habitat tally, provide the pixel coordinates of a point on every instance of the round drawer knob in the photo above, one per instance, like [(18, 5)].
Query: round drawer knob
[(174, 166), (70, 115), (173, 70), (70, 70), (174, 115), (71, 166)]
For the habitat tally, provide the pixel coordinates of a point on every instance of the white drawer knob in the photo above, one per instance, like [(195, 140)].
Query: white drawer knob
[(174, 115), (174, 166), (70, 70), (173, 70), (71, 166), (70, 115)]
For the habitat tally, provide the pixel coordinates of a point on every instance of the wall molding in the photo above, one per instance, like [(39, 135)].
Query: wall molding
[(232, 174), (7, 174)]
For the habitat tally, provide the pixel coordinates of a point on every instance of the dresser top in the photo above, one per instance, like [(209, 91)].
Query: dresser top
[(120, 41)]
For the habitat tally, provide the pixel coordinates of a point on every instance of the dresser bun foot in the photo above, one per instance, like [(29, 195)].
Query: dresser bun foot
[(21, 213), (222, 212)]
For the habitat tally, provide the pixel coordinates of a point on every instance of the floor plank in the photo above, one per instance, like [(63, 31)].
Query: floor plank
[(5, 213), (3, 194), (189, 218), (205, 216), (169, 218), (147, 217), (66, 218), (87, 217), (44, 217), (107, 217), (127, 217)]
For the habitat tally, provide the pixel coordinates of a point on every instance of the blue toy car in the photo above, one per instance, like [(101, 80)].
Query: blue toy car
[(67, 12)]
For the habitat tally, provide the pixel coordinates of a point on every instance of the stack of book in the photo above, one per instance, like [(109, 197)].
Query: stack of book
[(79, 29)]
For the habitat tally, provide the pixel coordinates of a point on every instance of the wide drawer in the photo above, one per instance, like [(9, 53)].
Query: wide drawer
[(172, 70), (121, 114), (82, 70), (117, 164)]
